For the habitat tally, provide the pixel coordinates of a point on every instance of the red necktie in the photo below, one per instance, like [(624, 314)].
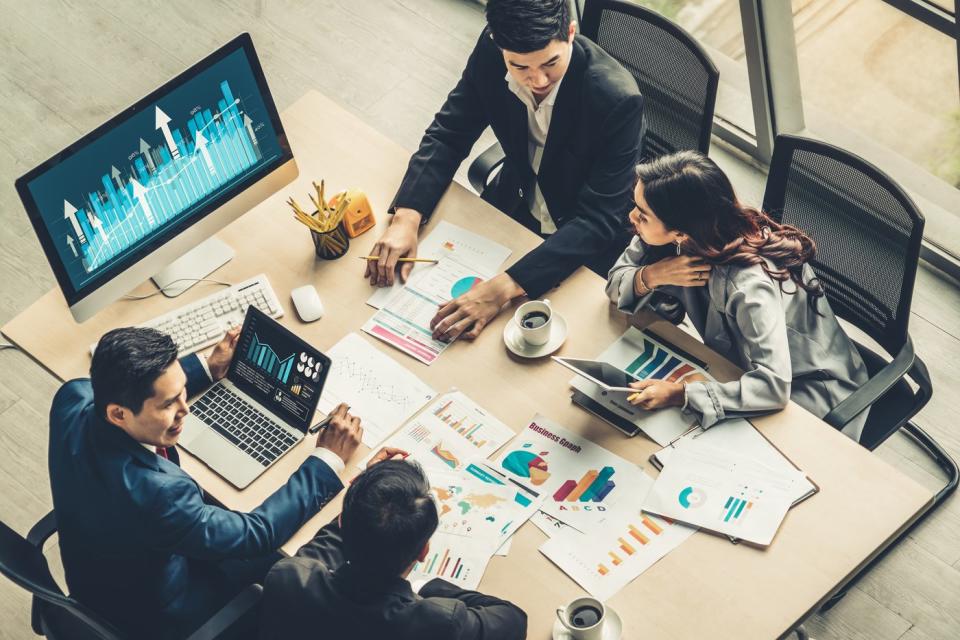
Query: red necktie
[(162, 452)]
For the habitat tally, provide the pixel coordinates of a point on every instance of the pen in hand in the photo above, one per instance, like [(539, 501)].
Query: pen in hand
[(323, 423)]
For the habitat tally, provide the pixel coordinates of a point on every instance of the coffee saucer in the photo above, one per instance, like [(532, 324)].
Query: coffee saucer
[(612, 628), (518, 346)]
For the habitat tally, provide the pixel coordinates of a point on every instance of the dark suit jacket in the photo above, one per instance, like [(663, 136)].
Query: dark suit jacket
[(134, 529), (316, 594), (587, 170)]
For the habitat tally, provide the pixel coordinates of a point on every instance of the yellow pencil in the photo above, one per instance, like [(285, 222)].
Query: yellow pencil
[(430, 260)]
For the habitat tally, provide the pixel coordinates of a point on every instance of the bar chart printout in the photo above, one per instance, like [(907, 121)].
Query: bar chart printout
[(452, 559), (609, 557), (157, 168)]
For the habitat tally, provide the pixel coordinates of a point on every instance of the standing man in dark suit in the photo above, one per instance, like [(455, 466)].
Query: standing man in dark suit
[(140, 545), (569, 119), (350, 580)]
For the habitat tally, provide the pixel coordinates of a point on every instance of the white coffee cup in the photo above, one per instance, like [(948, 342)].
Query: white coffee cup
[(573, 622), (535, 335)]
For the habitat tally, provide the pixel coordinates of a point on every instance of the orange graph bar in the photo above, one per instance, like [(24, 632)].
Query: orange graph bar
[(626, 547), (639, 536), (616, 559), (583, 485), (749, 504), (650, 524), (602, 570)]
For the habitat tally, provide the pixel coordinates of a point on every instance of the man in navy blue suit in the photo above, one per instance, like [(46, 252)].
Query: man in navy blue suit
[(139, 542)]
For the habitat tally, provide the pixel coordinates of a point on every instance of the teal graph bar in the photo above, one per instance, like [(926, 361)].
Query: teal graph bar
[(597, 485)]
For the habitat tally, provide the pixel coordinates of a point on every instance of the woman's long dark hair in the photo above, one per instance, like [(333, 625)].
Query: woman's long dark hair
[(689, 193)]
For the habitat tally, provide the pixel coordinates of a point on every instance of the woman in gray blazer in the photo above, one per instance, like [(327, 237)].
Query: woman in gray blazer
[(746, 285)]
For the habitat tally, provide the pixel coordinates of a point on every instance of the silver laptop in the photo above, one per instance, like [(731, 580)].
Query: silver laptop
[(262, 408)]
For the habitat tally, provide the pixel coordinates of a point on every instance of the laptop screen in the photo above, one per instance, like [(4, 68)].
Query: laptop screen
[(279, 370)]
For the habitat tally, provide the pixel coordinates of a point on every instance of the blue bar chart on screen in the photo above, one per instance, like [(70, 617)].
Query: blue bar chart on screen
[(159, 167)]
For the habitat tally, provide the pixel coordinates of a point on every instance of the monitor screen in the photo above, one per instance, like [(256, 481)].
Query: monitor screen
[(155, 169), (278, 369)]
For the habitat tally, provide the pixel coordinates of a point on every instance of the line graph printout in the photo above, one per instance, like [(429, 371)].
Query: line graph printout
[(380, 390), (157, 169)]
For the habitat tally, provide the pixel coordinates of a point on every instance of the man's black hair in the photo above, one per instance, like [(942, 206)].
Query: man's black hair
[(388, 515), (125, 365), (523, 26)]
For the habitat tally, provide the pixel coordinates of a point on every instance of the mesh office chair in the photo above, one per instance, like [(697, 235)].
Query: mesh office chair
[(868, 234), (58, 616), (675, 75)]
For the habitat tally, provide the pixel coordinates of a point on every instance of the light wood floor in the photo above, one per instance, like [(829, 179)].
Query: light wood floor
[(65, 66)]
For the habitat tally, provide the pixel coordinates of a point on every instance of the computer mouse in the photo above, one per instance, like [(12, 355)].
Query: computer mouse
[(306, 301)]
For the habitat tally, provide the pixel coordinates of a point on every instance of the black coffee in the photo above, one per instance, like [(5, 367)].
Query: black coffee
[(585, 616), (534, 320)]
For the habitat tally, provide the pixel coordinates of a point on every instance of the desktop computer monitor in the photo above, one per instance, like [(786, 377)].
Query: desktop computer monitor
[(142, 195)]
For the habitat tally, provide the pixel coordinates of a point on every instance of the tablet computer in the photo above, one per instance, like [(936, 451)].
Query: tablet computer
[(602, 374)]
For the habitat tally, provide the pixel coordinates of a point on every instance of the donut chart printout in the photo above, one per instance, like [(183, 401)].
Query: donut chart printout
[(579, 480)]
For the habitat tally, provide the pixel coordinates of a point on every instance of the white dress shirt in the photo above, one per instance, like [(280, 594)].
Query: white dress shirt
[(538, 125)]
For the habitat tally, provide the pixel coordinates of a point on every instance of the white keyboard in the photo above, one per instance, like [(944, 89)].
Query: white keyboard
[(203, 323)]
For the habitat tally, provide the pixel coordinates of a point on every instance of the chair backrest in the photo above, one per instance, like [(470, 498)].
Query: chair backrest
[(677, 78), (26, 566), (867, 230)]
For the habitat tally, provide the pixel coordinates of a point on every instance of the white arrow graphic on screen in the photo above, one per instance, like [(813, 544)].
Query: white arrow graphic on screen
[(248, 124), (70, 213), (70, 242), (145, 151), (95, 222), (162, 123), (201, 142), (139, 193), (115, 174)]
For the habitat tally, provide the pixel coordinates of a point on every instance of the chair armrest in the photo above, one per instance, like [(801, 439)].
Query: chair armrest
[(873, 389), (241, 604), (46, 527), (480, 169)]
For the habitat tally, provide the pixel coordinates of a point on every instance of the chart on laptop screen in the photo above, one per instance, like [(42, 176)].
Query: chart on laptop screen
[(160, 166), (271, 366)]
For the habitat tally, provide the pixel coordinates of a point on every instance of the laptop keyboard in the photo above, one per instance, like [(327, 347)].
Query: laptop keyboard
[(243, 424)]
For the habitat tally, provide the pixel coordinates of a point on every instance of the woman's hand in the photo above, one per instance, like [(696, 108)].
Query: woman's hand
[(679, 271), (656, 394), (474, 310)]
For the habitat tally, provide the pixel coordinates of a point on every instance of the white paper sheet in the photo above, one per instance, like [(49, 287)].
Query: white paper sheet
[(382, 392), (579, 480), (404, 322), (447, 240), (729, 494)]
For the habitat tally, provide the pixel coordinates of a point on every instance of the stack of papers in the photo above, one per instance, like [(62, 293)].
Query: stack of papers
[(383, 392), (646, 358), (448, 240), (731, 494), (404, 321)]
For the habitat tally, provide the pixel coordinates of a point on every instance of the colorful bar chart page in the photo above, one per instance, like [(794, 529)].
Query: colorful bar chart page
[(157, 169), (611, 556), (384, 391), (454, 559), (449, 240), (449, 433), (716, 490), (579, 480), (646, 358), (404, 322)]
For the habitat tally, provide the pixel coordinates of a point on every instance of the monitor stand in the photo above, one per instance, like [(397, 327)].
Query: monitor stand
[(191, 267)]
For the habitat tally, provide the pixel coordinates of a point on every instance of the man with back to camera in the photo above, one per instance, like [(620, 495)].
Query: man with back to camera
[(350, 580), (569, 119), (139, 544)]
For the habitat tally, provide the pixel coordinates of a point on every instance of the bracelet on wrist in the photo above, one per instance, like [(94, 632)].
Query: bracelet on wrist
[(642, 289)]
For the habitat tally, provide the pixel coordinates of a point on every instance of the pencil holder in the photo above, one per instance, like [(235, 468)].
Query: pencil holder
[(331, 245)]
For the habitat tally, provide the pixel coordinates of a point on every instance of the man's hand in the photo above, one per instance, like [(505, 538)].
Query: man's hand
[(656, 394), (398, 241), (387, 453), (219, 360), (342, 434), (471, 312), (680, 271)]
